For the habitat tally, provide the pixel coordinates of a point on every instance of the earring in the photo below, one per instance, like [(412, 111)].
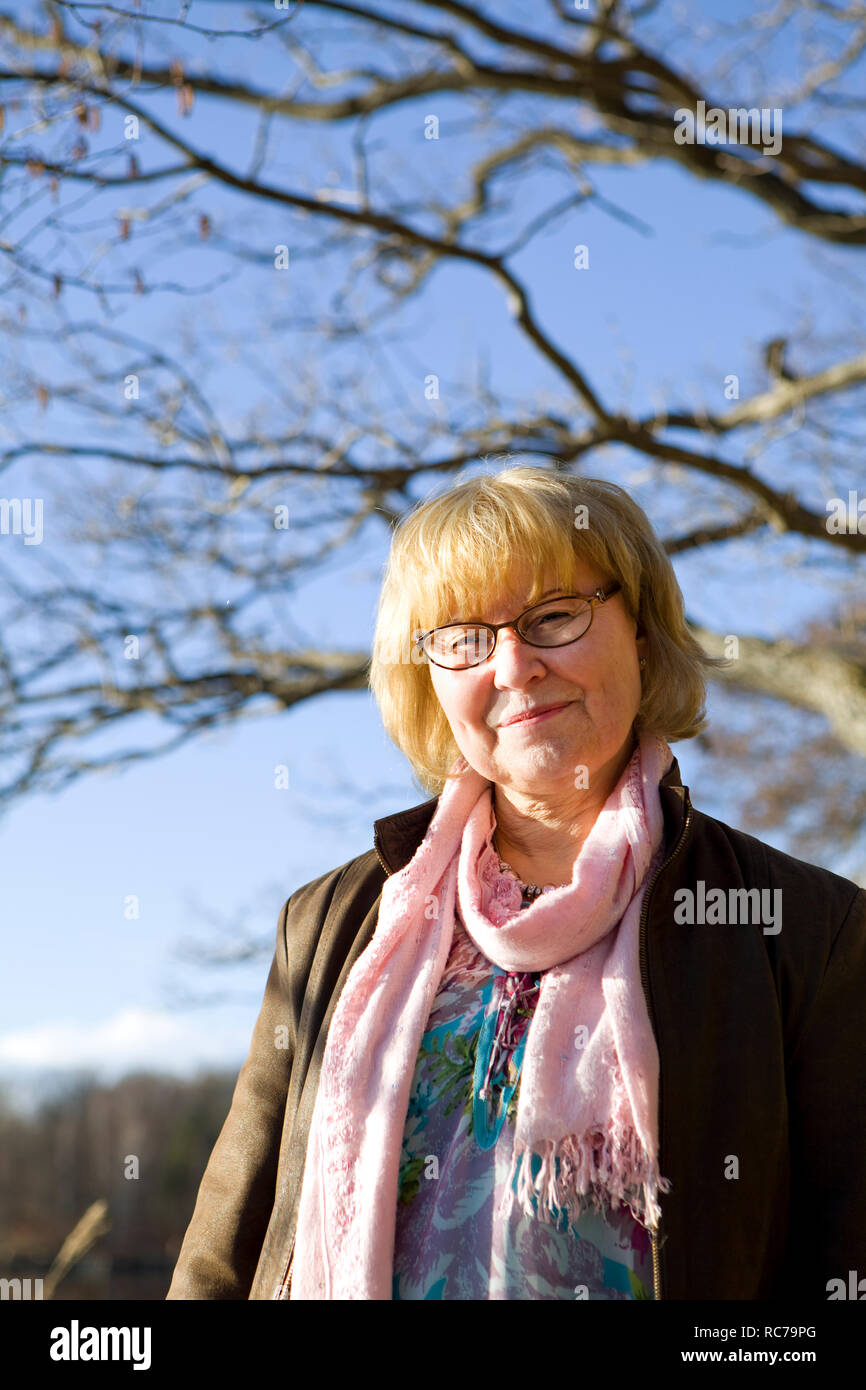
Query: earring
[(642, 662)]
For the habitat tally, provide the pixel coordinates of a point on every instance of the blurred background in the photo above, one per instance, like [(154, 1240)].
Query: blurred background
[(271, 273)]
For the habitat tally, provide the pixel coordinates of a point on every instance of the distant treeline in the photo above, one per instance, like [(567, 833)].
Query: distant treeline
[(141, 1144)]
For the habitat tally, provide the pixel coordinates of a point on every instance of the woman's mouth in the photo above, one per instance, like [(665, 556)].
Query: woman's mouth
[(546, 712)]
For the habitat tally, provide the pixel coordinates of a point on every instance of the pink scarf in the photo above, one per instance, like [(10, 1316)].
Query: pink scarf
[(589, 1084)]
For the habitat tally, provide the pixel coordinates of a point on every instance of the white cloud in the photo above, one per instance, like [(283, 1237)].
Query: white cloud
[(131, 1039)]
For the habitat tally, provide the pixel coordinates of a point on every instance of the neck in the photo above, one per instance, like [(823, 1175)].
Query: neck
[(541, 837)]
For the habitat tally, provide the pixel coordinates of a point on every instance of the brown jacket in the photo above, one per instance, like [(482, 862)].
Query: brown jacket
[(762, 1052)]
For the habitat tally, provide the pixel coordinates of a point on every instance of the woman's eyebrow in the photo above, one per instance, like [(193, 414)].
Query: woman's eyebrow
[(560, 588)]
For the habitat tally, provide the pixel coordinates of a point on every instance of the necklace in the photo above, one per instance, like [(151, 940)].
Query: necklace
[(530, 891), (502, 1040), (501, 1045)]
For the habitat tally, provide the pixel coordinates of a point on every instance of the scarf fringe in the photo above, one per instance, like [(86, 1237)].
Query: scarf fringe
[(582, 1174)]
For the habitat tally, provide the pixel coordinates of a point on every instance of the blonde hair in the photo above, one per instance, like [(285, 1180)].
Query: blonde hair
[(476, 542)]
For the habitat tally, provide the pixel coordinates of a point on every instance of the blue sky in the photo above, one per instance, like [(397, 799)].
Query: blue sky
[(202, 837)]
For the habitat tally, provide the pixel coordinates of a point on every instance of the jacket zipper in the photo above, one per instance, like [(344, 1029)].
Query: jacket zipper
[(286, 1282), (284, 1289), (644, 975)]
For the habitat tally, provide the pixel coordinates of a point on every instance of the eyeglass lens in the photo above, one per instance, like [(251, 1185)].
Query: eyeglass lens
[(550, 625)]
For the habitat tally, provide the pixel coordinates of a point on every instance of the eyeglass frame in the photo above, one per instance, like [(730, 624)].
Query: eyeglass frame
[(600, 596)]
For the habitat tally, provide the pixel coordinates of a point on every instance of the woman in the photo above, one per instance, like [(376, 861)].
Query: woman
[(559, 1034)]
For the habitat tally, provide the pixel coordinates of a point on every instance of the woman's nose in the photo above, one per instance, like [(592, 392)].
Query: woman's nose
[(512, 658)]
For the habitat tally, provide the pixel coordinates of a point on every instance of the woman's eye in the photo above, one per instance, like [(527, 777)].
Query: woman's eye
[(454, 643)]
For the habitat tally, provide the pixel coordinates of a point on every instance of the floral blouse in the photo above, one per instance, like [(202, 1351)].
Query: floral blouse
[(451, 1242)]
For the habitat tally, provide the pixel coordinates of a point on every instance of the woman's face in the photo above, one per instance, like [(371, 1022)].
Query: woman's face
[(596, 679)]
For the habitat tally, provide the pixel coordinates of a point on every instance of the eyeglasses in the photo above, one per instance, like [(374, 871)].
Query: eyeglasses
[(554, 623)]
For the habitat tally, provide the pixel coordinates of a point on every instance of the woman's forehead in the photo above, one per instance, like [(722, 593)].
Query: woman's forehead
[(519, 591)]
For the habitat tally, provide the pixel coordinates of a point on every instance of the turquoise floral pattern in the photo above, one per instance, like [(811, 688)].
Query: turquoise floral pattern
[(451, 1242)]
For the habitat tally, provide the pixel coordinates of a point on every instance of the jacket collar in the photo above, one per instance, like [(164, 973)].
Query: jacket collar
[(396, 837)]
